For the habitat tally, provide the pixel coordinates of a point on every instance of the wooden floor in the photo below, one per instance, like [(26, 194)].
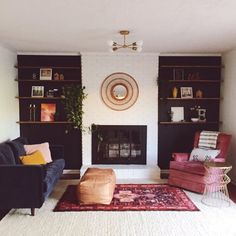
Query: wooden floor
[(231, 188)]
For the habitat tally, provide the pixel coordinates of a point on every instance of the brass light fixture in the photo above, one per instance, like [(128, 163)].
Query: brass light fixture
[(136, 46)]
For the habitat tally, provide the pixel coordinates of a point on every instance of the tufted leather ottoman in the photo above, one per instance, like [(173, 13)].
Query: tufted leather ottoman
[(96, 186)]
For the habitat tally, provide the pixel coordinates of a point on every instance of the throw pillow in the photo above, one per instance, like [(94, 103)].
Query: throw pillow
[(35, 158), (42, 147), (199, 154)]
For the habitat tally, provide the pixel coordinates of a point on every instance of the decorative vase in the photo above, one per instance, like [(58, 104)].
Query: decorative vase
[(199, 93), (174, 92)]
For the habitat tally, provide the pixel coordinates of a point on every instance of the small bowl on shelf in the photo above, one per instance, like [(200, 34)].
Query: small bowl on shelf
[(194, 119)]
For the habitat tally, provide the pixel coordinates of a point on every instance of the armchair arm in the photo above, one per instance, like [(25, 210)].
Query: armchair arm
[(180, 156), (21, 186), (219, 160)]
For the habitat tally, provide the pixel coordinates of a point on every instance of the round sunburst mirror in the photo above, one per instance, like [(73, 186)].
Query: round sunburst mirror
[(119, 91)]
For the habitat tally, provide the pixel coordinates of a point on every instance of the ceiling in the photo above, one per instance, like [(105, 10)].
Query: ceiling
[(166, 26)]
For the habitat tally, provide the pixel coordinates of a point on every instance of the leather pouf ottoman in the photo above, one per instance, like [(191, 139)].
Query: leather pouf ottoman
[(96, 186)]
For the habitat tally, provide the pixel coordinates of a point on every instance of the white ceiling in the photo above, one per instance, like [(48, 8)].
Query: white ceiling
[(167, 26)]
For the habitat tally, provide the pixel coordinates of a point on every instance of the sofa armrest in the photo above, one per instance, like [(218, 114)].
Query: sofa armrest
[(21, 186), (180, 156)]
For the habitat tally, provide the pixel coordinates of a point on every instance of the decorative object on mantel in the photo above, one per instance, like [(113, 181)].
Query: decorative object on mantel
[(45, 73), (177, 114), (199, 94), (119, 91), (136, 46), (186, 92), (73, 104), (174, 92), (56, 76), (61, 77)]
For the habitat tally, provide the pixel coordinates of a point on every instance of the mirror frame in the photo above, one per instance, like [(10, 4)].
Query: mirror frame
[(108, 85)]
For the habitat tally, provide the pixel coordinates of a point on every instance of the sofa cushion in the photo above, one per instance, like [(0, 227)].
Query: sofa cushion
[(194, 167), (6, 155), (17, 146), (53, 172), (42, 147), (35, 158)]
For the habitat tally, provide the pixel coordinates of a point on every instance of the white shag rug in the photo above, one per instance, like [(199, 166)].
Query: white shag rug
[(208, 221)]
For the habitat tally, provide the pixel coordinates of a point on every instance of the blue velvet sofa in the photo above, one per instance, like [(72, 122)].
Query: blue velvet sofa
[(26, 186)]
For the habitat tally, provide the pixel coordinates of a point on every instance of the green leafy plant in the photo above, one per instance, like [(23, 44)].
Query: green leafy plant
[(74, 96)]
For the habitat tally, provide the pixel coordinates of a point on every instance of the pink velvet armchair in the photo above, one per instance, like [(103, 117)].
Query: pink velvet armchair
[(191, 175)]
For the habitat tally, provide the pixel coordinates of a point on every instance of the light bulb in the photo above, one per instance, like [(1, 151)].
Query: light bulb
[(139, 43), (139, 49), (110, 43), (111, 50)]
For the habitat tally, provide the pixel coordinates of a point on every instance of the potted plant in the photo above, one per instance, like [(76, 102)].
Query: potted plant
[(73, 104)]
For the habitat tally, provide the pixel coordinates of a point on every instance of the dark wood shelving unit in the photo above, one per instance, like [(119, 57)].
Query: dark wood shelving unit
[(195, 81), (45, 81), (185, 99), (58, 132), (49, 66), (44, 122), (187, 123), (200, 73), (40, 98), (192, 66)]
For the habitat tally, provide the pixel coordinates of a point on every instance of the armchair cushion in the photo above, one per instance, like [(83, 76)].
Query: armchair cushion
[(200, 154), (180, 156)]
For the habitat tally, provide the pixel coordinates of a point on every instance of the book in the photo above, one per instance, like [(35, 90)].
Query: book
[(48, 111)]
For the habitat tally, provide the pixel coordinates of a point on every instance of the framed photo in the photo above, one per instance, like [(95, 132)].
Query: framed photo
[(178, 74), (37, 91), (45, 74), (186, 92), (177, 114), (48, 111)]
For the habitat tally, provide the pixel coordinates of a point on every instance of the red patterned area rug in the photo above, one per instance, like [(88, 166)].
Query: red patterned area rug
[(133, 197)]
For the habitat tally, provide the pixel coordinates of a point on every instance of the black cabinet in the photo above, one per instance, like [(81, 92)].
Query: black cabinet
[(200, 77), (36, 93)]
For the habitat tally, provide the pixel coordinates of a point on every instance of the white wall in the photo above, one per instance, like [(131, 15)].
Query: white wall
[(144, 69), (9, 111), (228, 105)]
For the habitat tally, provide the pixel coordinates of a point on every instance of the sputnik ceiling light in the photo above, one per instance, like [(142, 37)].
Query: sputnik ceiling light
[(136, 46)]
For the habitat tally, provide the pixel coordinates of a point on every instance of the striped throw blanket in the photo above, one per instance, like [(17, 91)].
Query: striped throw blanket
[(208, 139)]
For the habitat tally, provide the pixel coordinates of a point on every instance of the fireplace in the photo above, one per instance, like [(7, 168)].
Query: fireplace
[(119, 144)]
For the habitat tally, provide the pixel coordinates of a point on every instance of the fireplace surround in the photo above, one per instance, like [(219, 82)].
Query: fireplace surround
[(119, 144)]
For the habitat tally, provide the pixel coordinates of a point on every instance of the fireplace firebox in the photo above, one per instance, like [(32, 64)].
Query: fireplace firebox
[(119, 144)]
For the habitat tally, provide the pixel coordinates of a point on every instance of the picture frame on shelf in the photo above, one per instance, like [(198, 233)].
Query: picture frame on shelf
[(37, 91), (48, 111), (177, 114), (178, 74), (45, 74), (186, 92)]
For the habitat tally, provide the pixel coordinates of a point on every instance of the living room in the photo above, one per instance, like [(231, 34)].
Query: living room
[(78, 29)]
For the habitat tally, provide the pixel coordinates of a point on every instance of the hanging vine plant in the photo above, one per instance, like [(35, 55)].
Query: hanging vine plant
[(74, 96)]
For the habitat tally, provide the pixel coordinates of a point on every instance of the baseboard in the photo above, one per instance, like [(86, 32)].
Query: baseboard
[(68, 171), (164, 173), (70, 174)]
